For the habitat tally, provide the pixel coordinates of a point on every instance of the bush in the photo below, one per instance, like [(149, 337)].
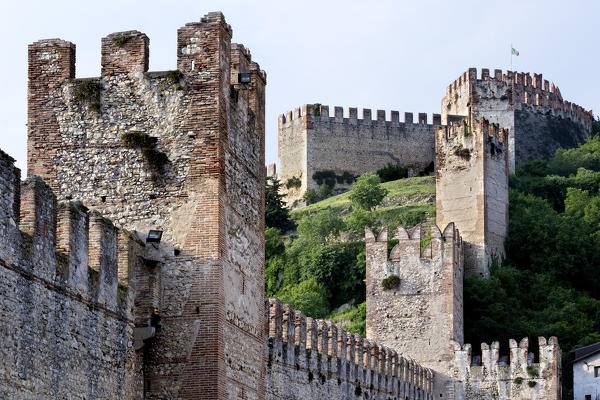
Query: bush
[(391, 282), (324, 190), (293, 183), (308, 297), (367, 192), (88, 91), (321, 227), (352, 320), (358, 220), (310, 196), (141, 140), (392, 172)]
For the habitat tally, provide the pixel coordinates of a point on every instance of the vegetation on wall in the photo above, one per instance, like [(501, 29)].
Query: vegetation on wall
[(174, 77), (141, 140), (88, 91), (293, 183), (120, 40)]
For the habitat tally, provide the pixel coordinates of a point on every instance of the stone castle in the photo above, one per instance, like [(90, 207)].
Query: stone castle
[(531, 110), (132, 256)]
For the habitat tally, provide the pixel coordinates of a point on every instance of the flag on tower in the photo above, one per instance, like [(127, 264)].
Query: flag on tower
[(514, 51)]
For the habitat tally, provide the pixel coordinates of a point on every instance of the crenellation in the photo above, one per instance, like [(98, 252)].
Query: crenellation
[(338, 361), (493, 375), (366, 114)]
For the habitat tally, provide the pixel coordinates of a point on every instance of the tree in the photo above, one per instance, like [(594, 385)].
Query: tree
[(367, 192), (358, 220), (310, 196), (322, 227), (276, 213), (324, 190), (308, 297)]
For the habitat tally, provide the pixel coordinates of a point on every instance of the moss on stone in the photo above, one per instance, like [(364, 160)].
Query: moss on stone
[(391, 282), (88, 91)]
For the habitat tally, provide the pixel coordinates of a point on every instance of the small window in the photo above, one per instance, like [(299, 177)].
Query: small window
[(597, 372), (588, 397)]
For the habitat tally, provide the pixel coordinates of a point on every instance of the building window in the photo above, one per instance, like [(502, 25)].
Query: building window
[(588, 397), (596, 372)]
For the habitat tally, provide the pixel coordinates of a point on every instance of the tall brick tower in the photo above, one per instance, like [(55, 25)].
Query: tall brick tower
[(193, 167), (472, 188), (421, 315)]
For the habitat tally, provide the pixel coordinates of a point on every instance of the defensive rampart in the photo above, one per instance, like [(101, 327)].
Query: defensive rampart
[(493, 376), (311, 142), (314, 359), (67, 284), (532, 110)]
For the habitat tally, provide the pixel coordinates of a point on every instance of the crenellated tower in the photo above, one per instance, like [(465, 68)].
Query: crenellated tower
[(536, 118), (178, 151), (415, 296), (472, 188)]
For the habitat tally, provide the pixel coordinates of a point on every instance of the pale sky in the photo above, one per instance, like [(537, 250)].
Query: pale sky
[(390, 55)]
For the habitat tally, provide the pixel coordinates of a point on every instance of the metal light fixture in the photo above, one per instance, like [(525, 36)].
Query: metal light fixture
[(244, 77), (154, 236)]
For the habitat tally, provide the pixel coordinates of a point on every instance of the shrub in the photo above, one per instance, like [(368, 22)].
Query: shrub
[(391, 282), (88, 91), (463, 153), (174, 77), (308, 297), (293, 183), (136, 139), (518, 380), (310, 196), (324, 190), (120, 40), (367, 192), (531, 384), (392, 172), (532, 371), (358, 220)]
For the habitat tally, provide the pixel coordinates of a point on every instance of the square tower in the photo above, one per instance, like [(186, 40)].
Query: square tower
[(179, 151), (472, 188), (415, 297)]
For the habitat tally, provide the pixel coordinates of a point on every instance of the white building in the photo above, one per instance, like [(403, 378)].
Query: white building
[(586, 373)]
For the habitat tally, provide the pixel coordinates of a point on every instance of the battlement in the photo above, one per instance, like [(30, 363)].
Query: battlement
[(409, 242), (63, 246), (322, 351), (459, 131), (515, 376), (520, 88), (127, 52), (318, 112)]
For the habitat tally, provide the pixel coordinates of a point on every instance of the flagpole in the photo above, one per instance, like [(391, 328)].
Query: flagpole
[(511, 47)]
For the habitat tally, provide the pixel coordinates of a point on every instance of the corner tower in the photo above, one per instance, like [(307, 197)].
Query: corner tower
[(179, 151), (472, 188), (532, 111), (420, 315)]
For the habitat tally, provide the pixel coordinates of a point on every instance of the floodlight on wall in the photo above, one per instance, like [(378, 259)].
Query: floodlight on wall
[(244, 77), (154, 236)]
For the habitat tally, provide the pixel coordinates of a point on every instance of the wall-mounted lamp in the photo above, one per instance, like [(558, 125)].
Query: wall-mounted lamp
[(244, 77), (154, 236)]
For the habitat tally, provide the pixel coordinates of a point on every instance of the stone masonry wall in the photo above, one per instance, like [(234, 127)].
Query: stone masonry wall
[(472, 188), (493, 376), (314, 359), (311, 141), (207, 199), (422, 316), (532, 111), (66, 327)]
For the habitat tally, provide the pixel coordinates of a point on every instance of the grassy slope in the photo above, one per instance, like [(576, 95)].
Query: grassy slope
[(409, 201)]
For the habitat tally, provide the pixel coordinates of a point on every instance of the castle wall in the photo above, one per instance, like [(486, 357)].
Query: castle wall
[(472, 189), (310, 143), (207, 199), (532, 111), (67, 329), (517, 379), (423, 316), (312, 359)]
